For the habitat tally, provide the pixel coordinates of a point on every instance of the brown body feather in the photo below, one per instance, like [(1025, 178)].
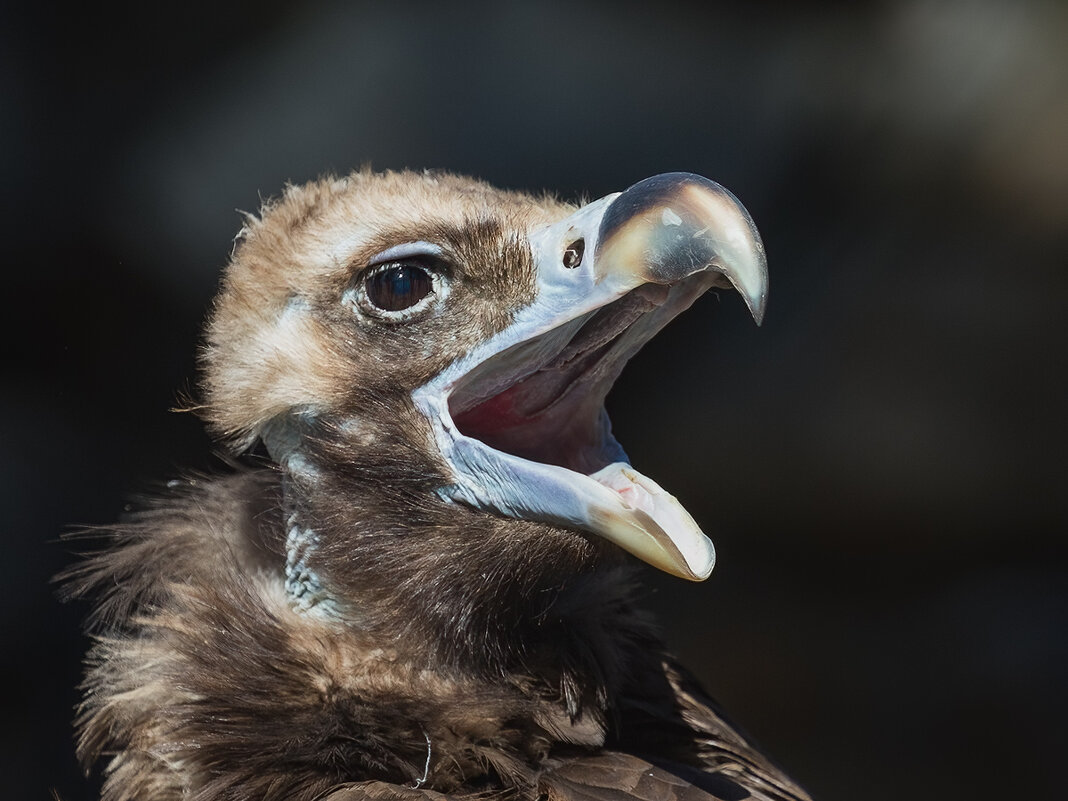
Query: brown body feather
[(206, 684), (453, 653)]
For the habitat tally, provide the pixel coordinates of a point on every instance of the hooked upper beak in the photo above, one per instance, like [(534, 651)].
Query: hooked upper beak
[(670, 226)]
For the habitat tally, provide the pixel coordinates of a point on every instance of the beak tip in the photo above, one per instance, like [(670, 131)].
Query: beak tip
[(758, 305), (749, 277)]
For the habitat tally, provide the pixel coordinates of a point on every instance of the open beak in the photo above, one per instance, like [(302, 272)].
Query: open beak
[(520, 419)]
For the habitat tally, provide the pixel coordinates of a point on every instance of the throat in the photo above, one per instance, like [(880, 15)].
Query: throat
[(455, 589)]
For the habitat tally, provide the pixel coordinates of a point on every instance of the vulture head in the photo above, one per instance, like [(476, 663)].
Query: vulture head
[(421, 579)]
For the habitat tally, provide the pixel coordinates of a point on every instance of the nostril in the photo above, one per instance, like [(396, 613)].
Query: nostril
[(573, 254)]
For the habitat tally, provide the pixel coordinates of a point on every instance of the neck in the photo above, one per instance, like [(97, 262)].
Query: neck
[(453, 588), (428, 637)]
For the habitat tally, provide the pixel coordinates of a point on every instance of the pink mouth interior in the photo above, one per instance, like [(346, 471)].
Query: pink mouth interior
[(556, 415), (562, 432)]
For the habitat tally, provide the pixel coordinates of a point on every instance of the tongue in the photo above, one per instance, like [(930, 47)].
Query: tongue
[(651, 524)]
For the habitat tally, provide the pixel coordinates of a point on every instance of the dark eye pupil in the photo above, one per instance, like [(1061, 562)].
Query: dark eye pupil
[(398, 287)]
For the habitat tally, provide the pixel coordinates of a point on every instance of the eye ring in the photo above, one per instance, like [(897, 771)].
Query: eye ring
[(399, 290)]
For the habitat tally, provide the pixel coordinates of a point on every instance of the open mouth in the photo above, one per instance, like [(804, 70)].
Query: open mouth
[(520, 420), (541, 402), (550, 408)]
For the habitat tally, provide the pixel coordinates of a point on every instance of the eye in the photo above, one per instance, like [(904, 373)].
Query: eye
[(397, 286), (397, 290)]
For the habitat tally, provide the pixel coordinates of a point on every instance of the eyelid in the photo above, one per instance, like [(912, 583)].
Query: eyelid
[(407, 250)]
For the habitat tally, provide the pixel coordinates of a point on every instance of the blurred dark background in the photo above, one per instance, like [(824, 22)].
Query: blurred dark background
[(881, 465)]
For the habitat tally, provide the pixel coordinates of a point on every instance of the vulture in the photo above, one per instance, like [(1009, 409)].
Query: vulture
[(415, 578)]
